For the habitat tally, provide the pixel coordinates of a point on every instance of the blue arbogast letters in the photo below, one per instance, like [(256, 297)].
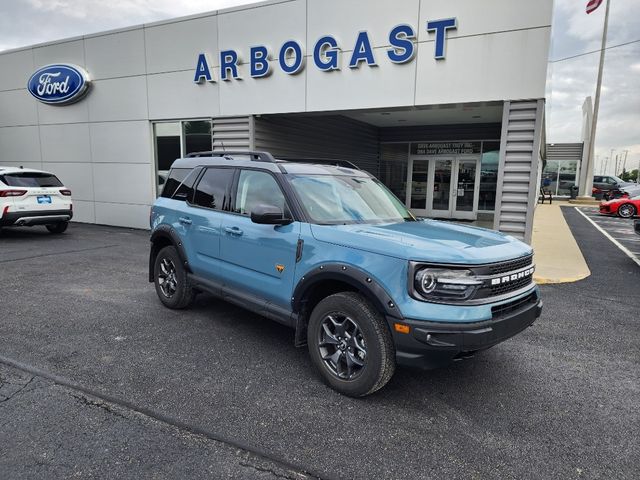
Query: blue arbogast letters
[(326, 53)]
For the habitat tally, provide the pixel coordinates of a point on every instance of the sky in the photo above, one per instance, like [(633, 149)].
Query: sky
[(570, 80)]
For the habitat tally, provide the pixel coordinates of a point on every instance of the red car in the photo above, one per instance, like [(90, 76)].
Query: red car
[(624, 207)]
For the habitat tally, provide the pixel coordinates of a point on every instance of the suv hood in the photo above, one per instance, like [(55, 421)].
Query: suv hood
[(425, 240)]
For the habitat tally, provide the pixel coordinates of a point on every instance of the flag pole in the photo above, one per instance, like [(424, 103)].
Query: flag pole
[(596, 108)]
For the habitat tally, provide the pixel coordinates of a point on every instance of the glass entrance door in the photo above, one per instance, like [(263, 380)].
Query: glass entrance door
[(418, 187), (443, 187), (466, 188), (441, 178)]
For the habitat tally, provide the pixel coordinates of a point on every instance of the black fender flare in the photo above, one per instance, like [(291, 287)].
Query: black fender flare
[(354, 276), (166, 232)]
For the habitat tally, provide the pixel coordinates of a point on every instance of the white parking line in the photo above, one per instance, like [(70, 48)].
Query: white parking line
[(626, 251)]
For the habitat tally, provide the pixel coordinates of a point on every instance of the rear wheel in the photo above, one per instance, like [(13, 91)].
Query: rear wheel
[(627, 210), (171, 280), (59, 227), (350, 344)]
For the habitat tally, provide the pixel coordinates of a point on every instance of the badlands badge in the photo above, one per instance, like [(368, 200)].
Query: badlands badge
[(279, 267)]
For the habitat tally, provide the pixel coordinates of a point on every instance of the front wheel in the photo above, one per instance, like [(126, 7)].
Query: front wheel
[(626, 210), (350, 344), (57, 228), (171, 280)]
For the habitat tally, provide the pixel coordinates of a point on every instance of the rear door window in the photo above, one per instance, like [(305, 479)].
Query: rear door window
[(214, 189), (30, 179)]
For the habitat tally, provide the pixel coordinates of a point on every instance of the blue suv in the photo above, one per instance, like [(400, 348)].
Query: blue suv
[(328, 250)]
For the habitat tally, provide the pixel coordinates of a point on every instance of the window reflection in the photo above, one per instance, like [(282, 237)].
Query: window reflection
[(177, 139), (489, 175)]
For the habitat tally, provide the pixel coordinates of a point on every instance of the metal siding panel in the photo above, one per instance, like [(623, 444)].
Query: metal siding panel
[(232, 133), (333, 137), (565, 151), (517, 176)]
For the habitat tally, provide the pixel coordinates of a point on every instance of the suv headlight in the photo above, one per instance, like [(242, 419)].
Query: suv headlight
[(443, 284)]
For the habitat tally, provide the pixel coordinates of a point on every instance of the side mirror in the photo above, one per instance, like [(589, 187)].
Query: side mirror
[(269, 215)]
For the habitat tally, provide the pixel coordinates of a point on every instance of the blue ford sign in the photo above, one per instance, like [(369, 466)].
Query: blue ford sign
[(59, 84)]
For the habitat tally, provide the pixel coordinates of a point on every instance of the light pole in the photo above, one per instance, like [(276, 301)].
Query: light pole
[(611, 158)]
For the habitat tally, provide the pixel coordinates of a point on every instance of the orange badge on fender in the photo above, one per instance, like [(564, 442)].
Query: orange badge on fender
[(280, 268)]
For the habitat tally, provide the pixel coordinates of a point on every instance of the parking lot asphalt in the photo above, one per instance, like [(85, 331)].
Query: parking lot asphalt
[(620, 229), (98, 379)]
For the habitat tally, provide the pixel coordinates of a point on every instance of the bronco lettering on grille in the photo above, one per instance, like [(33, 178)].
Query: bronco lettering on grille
[(513, 277)]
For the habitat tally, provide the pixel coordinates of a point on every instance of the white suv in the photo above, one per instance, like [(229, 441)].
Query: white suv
[(33, 197)]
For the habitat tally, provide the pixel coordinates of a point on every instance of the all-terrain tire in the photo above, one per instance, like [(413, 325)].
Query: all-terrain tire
[(379, 360), (170, 278)]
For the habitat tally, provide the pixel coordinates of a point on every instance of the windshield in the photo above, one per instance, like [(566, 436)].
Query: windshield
[(343, 199)]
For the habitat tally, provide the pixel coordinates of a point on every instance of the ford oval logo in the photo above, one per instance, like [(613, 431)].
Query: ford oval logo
[(59, 84)]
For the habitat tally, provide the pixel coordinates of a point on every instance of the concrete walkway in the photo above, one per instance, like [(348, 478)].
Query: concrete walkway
[(557, 255)]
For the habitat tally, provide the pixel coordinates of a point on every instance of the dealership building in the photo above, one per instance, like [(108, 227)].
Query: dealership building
[(443, 101)]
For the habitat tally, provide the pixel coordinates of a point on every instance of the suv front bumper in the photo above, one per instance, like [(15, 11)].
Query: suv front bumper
[(35, 217), (435, 344)]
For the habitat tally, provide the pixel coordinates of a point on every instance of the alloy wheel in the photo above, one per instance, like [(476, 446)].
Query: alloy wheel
[(342, 347), (626, 211), (167, 278)]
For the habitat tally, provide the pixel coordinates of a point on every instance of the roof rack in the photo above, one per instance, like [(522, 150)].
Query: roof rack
[(254, 156), (323, 161)]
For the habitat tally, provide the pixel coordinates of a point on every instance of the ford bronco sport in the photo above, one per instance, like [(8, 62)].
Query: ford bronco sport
[(327, 249)]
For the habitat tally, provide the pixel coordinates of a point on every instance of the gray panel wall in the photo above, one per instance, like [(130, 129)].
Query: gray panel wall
[(517, 194), (333, 137)]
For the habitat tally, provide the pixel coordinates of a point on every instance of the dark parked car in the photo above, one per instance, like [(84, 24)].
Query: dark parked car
[(609, 185)]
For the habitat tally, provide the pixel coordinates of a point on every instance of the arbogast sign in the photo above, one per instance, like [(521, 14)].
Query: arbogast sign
[(327, 54)]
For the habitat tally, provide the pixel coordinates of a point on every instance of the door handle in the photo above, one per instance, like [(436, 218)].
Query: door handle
[(233, 230), (185, 220)]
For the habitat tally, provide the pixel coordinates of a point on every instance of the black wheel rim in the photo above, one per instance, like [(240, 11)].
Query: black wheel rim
[(342, 347), (167, 278)]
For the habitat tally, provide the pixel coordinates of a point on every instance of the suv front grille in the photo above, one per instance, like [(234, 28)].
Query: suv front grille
[(510, 265)]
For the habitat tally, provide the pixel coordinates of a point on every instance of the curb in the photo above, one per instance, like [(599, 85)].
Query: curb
[(552, 280)]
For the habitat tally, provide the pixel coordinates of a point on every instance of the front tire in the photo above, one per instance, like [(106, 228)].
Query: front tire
[(57, 228), (172, 283), (350, 344), (626, 210)]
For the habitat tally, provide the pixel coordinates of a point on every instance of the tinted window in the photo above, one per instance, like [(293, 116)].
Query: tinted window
[(257, 188), (213, 188), (179, 182), (30, 179)]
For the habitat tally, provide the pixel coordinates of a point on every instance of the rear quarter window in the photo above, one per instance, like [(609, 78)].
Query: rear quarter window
[(30, 179), (179, 184)]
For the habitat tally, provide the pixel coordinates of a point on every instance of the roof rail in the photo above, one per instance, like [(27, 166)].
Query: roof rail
[(254, 156), (323, 161)]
